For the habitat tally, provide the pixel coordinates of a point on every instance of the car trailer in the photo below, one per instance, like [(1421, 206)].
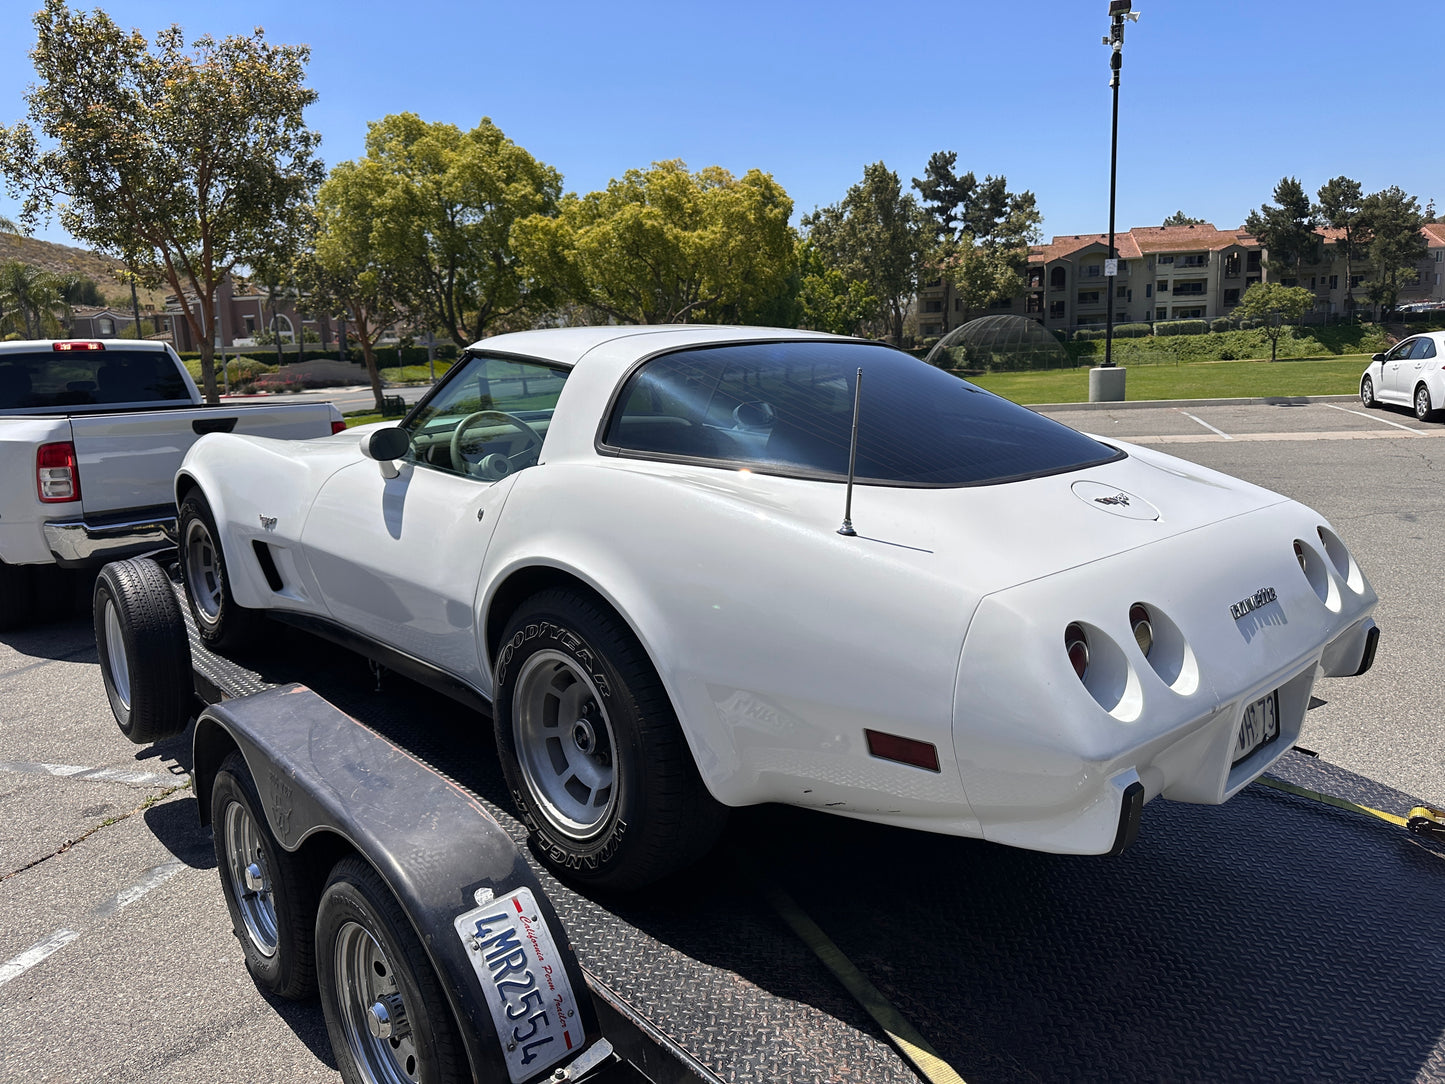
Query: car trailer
[(1294, 933)]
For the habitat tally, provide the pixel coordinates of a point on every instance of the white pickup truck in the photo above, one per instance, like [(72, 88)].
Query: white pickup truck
[(91, 434)]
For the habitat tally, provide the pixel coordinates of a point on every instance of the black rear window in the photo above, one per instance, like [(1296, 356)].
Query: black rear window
[(57, 378), (787, 408)]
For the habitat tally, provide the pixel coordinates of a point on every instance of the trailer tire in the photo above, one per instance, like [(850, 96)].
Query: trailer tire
[(221, 622), (17, 596), (145, 658), (591, 748), (270, 893), (385, 1011)]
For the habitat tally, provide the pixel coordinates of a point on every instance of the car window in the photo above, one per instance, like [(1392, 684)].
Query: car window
[(1401, 351), (787, 408), (1424, 348), (489, 418), (58, 378)]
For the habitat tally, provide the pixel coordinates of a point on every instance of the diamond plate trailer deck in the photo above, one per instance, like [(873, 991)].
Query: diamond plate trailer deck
[(1270, 938)]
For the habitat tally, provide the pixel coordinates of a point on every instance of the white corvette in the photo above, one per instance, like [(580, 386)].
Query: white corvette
[(638, 549)]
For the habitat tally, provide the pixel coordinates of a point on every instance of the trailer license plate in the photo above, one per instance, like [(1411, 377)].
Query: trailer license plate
[(1259, 726), (525, 983)]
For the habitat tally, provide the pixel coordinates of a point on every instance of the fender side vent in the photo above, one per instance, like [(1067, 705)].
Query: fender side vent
[(268, 565)]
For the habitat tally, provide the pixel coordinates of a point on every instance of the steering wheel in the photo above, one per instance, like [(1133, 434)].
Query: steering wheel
[(494, 466)]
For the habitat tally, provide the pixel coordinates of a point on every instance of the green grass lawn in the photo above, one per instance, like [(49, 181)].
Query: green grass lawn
[(1190, 380)]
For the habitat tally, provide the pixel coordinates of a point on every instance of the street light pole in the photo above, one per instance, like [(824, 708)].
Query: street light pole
[(1108, 386)]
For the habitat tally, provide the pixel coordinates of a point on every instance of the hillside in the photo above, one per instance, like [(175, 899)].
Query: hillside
[(66, 260)]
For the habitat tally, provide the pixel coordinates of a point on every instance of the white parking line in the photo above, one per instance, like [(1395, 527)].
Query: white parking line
[(1376, 418), (154, 879), (1206, 425), (96, 775), (18, 965)]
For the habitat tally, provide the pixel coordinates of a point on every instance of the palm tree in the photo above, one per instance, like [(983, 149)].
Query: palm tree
[(32, 301)]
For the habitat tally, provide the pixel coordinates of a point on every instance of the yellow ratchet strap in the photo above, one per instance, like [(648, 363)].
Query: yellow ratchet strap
[(1330, 799)]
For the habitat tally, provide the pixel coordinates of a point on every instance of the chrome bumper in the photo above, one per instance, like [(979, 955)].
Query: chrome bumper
[(79, 543)]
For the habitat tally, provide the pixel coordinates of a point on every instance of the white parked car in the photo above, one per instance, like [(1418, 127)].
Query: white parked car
[(637, 548), (1408, 374)]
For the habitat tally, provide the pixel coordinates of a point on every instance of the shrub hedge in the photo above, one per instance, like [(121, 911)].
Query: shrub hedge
[(1181, 327)]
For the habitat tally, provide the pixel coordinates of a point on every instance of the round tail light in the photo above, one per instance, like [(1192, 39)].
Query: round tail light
[(1077, 645), (1143, 628)]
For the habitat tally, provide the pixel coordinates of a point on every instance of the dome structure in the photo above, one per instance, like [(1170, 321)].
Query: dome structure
[(999, 342)]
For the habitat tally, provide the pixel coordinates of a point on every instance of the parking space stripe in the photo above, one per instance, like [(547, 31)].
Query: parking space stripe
[(1376, 418), (153, 879), (94, 775), (18, 965), (1244, 438), (1206, 425)]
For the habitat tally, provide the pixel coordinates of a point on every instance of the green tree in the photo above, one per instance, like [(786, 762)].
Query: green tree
[(446, 215), (189, 161), (1340, 208), (343, 269), (32, 301), (664, 245), (1274, 307), (829, 300), (875, 235), (1286, 231), (1179, 218), (1396, 246)]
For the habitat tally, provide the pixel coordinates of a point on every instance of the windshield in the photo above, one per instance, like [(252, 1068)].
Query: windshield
[(787, 408), (54, 378)]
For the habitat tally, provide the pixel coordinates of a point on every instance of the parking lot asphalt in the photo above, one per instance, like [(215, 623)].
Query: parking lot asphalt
[(116, 958)]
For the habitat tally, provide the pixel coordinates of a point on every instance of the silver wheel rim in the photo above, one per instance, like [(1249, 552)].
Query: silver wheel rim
[(373, 1015), (203, 571), (1422, 404), (250, 877), (115, 656), (1367, 392), (565, 744)]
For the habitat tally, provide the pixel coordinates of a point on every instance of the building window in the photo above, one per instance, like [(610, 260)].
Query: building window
[(1231, 297), (1121, 291), (1251, 262), (1002, 303), (933, 306), (1056, 308), (1231, 265), (1093, 270), (1088, 297), (105, 326), (1355, 281), (1160, 314), (1188, 314), (1198, 259), (1035, 303), (1036, 278), (1056, 279), (1162, 286), (1166, 259), (1334, 282), (1189, 289), (1289, 281)]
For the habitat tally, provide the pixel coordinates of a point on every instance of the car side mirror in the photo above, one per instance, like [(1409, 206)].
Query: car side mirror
[(386, 446), (1377, 357)]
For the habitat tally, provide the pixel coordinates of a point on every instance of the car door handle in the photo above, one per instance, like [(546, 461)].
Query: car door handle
[(202, 426)]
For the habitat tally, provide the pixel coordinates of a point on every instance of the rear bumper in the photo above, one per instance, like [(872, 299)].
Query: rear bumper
[(93, 540)]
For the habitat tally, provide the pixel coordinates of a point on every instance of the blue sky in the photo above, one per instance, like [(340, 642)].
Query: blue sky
[(1218, 101)]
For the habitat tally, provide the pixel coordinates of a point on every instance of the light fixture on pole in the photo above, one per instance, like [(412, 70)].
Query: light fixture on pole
[(1109, 386)]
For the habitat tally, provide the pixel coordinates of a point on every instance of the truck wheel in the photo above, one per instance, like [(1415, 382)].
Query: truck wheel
[(270, 893), (145, 658), (385, 1012), (591, 749), (17, 596), (222, 624)]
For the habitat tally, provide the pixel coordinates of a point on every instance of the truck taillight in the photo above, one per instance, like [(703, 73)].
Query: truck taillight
[(75, 344), (338, 426), (57, 475)]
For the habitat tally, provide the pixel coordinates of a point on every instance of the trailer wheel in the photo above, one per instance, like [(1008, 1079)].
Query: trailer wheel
[(17, 596), (591, 749), (385, 1012), (270, 893), (222, 623), (145, 658)]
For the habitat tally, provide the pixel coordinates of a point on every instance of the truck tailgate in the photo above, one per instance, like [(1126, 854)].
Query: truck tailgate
[(129, 459)]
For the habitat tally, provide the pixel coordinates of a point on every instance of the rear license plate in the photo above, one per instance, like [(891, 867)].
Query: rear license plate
[(1258, 727), (525, 983)]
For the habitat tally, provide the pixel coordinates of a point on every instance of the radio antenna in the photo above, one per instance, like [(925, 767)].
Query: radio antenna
[(847, 528)]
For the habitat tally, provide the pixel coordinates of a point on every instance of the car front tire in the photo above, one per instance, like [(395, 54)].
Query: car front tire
[(594, 757), (1367, 393), (222, 624), (145, 657)]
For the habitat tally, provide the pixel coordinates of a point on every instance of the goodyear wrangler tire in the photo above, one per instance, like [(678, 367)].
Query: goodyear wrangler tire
[(593, 755), (145, 658), (221, 623)]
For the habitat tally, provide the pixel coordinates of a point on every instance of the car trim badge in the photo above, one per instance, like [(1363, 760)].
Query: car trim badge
[(1245, 606), (1114, 500)]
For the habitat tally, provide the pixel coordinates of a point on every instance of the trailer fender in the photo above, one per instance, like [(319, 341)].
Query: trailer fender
[(320, 773)]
